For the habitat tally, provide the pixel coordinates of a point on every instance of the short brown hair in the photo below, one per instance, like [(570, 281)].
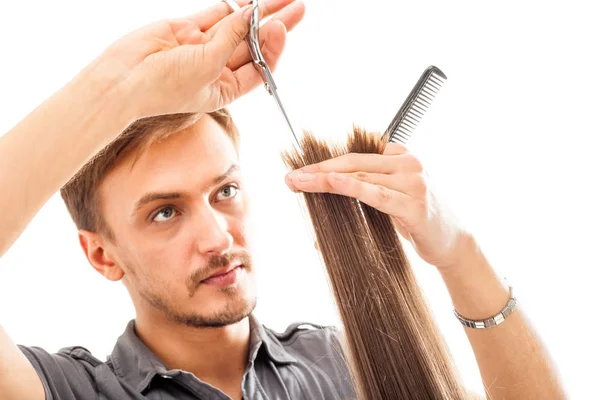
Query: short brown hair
[(80, 194)]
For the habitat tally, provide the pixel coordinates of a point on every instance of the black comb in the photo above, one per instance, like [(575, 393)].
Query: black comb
[(415, 106)]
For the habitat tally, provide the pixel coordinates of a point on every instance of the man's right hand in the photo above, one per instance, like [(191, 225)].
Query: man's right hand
[(195, 64)]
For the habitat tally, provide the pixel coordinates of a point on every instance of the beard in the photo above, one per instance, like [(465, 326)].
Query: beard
[(236, 308)]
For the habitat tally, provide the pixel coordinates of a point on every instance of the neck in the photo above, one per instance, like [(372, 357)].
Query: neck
[(217, 356)]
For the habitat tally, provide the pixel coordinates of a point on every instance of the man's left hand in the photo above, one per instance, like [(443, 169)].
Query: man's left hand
[(394, 183)]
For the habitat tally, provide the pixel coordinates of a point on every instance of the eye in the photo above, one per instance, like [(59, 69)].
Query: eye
[(164, 214), (227, 192)]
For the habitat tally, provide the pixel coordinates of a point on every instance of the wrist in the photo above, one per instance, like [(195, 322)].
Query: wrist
[(467, 252), (475, 288), (89, 112), (103, 83)]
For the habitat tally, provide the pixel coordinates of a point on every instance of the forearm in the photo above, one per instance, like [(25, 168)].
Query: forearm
[(511, 358), (48, 147)]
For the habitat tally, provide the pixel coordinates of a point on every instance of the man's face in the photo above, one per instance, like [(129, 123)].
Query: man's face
[(178, 220)]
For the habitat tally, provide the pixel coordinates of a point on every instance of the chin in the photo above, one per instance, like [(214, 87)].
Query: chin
[(225, 306), (220, 313)]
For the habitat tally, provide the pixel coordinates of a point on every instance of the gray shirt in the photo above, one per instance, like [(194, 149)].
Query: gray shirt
[(304, 362)]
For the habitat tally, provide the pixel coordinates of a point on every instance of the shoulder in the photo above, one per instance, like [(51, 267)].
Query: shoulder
[(318, 345), (320, 363), (67, 356), (71, 370), (301, 334)]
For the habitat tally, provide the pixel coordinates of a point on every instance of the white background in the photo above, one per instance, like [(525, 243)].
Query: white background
[(510, 142)]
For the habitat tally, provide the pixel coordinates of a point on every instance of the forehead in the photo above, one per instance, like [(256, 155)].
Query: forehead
[(185, 160)]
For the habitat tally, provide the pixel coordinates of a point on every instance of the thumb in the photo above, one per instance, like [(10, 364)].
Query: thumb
[(230, 34)]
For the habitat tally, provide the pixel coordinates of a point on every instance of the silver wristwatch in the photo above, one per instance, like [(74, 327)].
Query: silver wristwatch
[(492, 321)]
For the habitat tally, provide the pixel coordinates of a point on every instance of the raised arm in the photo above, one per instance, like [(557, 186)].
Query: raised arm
[(195, 64), (511, 358)]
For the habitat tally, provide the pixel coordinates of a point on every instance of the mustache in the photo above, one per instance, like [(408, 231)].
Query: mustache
[(214, 263)]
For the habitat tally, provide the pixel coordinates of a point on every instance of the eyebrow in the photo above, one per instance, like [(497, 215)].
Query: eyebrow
[(153, 196), (233, 168)]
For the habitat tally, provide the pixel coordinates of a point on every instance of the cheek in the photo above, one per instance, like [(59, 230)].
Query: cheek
[(239, 226), (245, 227), (167, 244), (164, 263), (240, 238)]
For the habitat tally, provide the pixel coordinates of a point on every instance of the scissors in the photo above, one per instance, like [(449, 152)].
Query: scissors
[(259, 61)]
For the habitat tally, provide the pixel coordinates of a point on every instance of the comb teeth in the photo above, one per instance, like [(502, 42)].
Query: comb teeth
[(415, 106)]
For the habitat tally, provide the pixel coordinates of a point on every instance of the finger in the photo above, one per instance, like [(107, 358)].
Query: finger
[(239, 82), (412, 185), (395, 149), (206, 19), (186, 32), (241, 55), (290, 16), (290, 12), (407, 210), (354, 162), (377, 196), (233, 31)]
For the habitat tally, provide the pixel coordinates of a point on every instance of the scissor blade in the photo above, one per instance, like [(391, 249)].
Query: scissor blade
[(287, 119), (272, 89), (260, 64)]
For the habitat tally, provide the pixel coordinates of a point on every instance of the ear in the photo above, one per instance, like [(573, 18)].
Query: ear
[(94, 248)]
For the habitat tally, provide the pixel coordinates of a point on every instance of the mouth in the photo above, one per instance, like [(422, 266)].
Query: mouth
[(224, 276)]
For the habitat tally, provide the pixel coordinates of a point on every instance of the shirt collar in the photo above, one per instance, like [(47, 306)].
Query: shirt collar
[(138, 365), (260, 335)]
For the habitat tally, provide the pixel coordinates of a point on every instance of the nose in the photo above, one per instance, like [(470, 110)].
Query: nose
[(213, 236)]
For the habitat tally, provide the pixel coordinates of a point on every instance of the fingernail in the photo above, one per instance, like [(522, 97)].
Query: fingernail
[(290, 185), (292, 175), (306, 177)]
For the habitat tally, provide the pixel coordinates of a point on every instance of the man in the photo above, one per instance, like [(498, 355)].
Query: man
[(162, 208)]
